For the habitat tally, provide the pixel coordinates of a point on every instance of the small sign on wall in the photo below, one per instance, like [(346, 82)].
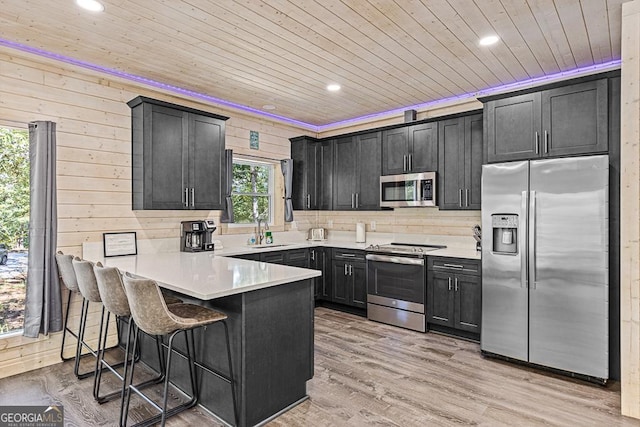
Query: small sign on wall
[(254, 140)]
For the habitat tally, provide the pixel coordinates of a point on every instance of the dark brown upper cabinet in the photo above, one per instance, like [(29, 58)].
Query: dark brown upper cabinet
[(312, 173), (410, 149), (356, 184), (460, 163), (177, 156), (562, 121)]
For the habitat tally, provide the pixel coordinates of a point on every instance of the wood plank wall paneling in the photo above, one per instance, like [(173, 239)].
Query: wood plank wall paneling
[(93, 167), (630, 212)]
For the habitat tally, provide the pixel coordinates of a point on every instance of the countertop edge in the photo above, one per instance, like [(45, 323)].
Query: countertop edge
[(231, 251), (244, 289)]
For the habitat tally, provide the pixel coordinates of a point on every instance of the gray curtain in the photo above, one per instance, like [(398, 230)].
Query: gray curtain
[(287, 170), (227, 213), (43, 306)]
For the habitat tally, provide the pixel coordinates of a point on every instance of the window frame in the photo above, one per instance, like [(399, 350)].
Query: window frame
[(271, 189)]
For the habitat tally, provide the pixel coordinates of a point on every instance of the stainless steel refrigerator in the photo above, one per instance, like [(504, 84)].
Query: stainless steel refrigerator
[(545, 280)]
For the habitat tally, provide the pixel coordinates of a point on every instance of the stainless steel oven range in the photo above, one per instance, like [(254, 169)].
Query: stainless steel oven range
[(396, 284)]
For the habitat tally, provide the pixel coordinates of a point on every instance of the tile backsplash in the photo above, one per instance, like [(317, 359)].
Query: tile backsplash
[(405, 220)]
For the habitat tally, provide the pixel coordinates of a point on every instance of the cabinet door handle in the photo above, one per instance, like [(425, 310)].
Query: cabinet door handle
[(459, 197), (546, 142), (313, 255), (350, 270), (353, 202), (537, 142), (193, 197), (404, 163), (456, 284), (345, 269), (186, 197), (410, 162), (449, 283), (466, 197), (357, 202), (308, 201)]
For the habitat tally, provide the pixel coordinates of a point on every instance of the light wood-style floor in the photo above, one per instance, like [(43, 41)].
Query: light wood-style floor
[(372, 374)]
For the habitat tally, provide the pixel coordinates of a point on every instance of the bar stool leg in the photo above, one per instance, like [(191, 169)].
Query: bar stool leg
[(66, 329), (192, 374), (126, 396), (81, 344), (102, 344)]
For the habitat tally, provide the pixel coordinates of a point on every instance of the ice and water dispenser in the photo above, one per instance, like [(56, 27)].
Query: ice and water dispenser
[(505, 233)]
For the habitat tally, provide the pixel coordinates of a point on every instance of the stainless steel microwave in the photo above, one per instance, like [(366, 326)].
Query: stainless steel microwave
[(408, 190)]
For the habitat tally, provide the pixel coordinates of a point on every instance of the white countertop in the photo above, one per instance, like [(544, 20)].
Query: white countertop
[(207, 275)]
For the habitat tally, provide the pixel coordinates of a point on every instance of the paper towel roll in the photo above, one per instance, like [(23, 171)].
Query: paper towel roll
[(361, 236)]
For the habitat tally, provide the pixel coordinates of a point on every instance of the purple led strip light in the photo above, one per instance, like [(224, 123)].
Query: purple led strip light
[(138, 79), (149, 82)]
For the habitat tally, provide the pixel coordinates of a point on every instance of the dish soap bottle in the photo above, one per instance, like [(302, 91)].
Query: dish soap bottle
[(252, 239), (268, 239)]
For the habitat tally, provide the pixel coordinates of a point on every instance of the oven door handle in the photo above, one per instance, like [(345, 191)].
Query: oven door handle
[(395, 259)]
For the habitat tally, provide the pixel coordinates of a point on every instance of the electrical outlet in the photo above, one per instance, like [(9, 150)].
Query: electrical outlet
[(330, 223), (372, 226)]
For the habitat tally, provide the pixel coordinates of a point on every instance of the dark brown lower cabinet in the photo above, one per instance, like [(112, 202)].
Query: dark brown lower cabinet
[(454, 296), (349, 278)]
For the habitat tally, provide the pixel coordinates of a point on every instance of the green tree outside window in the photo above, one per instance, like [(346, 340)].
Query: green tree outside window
[(251, 191), (14, 187)]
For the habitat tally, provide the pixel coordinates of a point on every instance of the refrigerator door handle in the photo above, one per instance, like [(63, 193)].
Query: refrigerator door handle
[(523, 240), (532, 240)]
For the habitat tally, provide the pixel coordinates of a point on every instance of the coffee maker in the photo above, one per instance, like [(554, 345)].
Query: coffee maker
[(196, 236)]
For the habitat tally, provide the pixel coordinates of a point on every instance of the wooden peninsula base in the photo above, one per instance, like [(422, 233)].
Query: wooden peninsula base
[(271, 333)]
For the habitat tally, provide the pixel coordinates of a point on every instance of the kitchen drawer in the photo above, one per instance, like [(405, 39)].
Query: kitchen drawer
[(347, 254), (461, 265)]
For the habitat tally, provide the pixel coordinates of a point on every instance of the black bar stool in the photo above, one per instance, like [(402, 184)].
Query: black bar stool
[(152, 315), (115, 301)]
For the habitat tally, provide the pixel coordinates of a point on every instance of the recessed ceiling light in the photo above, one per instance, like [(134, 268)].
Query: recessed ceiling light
[(489, 40), (91, 5), (333, 87), (268, 107)]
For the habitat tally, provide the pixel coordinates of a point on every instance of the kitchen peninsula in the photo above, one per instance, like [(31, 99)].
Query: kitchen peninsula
[(270, 309)]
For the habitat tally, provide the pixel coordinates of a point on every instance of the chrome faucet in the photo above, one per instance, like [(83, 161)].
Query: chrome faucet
[(260, 232), (260, 236)]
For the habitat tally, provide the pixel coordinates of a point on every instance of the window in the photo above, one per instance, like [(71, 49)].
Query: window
[(14, 226), (252, 191)]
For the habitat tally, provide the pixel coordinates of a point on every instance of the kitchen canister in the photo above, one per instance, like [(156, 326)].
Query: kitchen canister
[(361, 235)]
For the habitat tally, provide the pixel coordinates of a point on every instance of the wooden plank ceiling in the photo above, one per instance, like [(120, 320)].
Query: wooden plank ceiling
[(385, 54)]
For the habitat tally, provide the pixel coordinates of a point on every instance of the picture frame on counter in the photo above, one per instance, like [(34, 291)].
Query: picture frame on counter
[(120, 244)]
